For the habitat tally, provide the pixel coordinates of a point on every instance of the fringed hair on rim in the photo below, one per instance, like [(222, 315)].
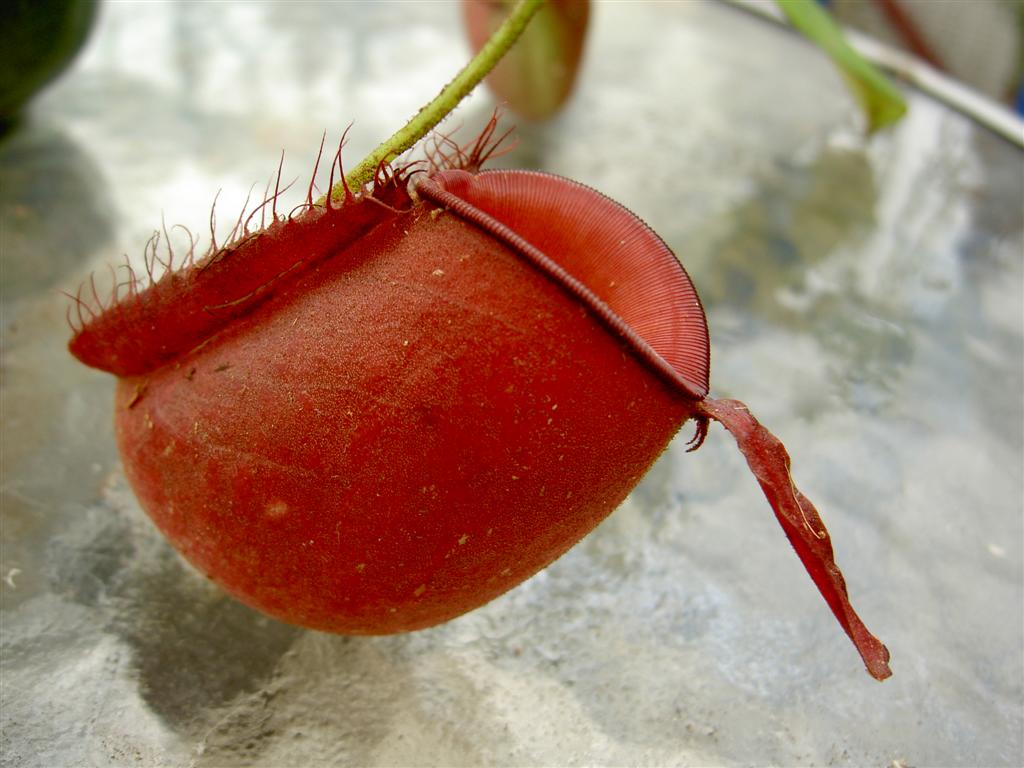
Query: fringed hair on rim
[(444, 153), (178, 299)]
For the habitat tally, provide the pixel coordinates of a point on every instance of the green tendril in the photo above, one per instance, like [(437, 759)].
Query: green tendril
[(439, 108)]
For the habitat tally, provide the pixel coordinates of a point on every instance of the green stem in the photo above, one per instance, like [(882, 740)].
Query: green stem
[(449, 97)]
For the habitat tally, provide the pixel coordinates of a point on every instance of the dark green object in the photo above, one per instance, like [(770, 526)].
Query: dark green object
[(38, 39)]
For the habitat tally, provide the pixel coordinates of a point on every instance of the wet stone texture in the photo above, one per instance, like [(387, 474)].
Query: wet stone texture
[(865, 298)]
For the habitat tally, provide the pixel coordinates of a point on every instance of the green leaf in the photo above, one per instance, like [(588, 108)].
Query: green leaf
[(882, 103)]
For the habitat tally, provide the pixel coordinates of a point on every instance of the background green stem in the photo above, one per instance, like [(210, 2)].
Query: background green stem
[(449, 97)]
